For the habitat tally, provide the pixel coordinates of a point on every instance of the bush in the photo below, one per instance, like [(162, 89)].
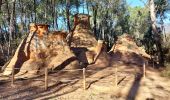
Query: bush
[(166, 49), (166, 71)]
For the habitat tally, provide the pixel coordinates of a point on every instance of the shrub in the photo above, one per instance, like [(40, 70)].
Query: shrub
[(166, 71)]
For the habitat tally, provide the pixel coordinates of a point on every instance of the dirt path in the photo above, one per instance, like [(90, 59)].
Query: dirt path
[(100, 86)]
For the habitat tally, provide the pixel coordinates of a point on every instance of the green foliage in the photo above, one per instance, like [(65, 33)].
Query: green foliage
[(148, 41), (138, 21), (161, 7), (112, 19), (166, 46)]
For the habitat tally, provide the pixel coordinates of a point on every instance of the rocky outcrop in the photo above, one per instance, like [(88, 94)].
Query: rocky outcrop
[(84, 44), (42, 49), (126, 50)]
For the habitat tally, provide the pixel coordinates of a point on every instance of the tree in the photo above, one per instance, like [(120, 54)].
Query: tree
[(0, 4), (138, 21), (154, 11), (35, 12), (95, 7), (68, 14), (55, 24)]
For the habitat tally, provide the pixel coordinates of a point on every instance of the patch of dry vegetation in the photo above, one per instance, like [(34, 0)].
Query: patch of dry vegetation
[(166, 44), (166, 71)]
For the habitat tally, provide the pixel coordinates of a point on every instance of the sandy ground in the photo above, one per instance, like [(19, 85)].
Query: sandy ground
[(100, 85)]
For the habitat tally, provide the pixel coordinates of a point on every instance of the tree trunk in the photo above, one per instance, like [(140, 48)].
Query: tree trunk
[(68, 14), (0, 4), (156, 33), (35, 11), (87, 7), (8, 14), (95, 18), (77, 6), (11, 25), (22, 16), (54, 15), (12, 22), (25, 21), (83, 6), (5, 35), (46, 9), (153, 16)]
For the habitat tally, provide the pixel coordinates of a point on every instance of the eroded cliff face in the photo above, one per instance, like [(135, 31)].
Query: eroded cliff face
[(82, 33), (126, 50), (41, 49), (84, 43)]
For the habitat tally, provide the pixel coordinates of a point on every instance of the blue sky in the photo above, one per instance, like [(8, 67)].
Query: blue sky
[(134, 3)]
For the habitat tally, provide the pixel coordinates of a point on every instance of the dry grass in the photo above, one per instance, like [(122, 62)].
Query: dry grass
[(166, 71)]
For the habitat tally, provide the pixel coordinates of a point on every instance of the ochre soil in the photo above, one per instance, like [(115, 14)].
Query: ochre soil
[(100, 80), (100, 85)]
